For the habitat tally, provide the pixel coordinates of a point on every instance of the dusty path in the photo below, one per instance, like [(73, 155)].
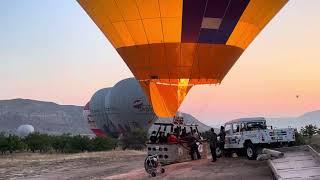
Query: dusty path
[(124, 165), (224, 168)]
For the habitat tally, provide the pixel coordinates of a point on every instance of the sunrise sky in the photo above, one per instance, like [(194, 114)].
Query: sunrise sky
[(51, 50)]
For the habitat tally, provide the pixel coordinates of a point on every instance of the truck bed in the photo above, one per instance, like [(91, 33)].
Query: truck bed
[(300, 162)]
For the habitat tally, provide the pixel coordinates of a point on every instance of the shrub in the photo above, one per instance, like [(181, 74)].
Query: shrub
[(38, 142), (79, 143), (309, 130), (103, 144), (65, 143), (3, 143), (60, 143), (135, 139), (10, 143), (299, 139)]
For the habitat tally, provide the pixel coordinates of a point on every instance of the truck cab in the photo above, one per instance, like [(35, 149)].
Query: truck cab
[(252, 134)]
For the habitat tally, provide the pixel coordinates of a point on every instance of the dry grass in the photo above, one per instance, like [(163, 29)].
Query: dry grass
[(42, 157)]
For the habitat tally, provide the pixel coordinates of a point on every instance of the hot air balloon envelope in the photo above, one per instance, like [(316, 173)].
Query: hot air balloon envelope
[(171, 45)]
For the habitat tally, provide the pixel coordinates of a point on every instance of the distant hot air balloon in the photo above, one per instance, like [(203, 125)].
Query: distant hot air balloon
[(172, 45)]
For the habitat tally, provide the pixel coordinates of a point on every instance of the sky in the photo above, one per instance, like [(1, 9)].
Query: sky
[(51, 50)]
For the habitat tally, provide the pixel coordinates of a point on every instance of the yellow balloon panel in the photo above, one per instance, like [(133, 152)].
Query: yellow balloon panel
[(124, 33), (127, 8), (253, 20), (136, 22), (153, 30), (171, 29), (136, 29), (170, 8), (148, 9)]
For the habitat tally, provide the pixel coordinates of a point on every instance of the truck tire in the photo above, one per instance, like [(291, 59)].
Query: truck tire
[(250, 151), (218, 152)]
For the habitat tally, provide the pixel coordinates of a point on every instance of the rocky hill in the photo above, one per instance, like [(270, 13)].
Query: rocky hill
[(296, 122), (52, 118), (46, 117)]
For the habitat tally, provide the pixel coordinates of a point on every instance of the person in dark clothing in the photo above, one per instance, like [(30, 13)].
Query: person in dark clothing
[(162, 138), (153, 137), (222, 137), (183, 133), (192, 143), (213, 144), (176, 132)]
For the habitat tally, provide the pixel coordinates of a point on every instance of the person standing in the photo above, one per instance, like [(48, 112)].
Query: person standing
[(213, 144), (162, 138), (192, 144), (195, 133), (153, 137), (222, 137)]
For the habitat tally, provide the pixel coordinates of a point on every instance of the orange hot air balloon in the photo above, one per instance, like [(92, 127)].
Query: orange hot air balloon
[(172, 45)]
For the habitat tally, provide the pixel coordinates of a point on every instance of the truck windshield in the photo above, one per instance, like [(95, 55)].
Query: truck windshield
[(228, 129), (251, 126)]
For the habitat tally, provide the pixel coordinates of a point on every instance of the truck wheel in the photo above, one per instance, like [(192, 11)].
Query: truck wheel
[(218, 152), (250, 151)]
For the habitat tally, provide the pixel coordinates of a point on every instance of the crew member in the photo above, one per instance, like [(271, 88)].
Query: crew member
[(162, 138), (183, 133), (153, 137), (213, 144), (195, 133), (222, 137), (192, 143)]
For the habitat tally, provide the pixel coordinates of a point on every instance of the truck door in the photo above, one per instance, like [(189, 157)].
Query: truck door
[(236, 135), (229, 134)]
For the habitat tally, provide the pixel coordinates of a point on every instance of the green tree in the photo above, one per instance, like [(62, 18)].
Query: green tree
[(135, 139), (79, 143), (10, 143), (309, 130), (102, 144), (60, 143), (38, 142), (14, 143), (3, 143)]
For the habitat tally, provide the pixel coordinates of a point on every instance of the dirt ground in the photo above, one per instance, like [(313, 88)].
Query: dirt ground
[(123, 165), (70, 166)]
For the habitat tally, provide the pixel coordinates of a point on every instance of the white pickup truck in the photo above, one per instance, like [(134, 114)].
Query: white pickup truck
[(252, 134)]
